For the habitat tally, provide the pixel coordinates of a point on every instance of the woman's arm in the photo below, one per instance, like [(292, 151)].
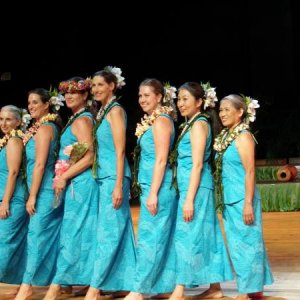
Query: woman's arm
[(43, 140), (162, 130), (245, 145), (198, 137), (14, 150), (82, 128), (116, 118)]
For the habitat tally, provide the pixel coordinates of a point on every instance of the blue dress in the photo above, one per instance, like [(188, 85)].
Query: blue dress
[(45, 224), (77, 237), (13, 230), (201, 253), (115, 255), (156, 258), (245, 242)]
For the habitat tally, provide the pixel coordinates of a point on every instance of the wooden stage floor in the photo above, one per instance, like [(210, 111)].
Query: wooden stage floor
[(282, 238)]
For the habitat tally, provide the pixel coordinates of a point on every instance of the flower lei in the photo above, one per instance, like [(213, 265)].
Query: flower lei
[(13, 133), (174, 153), (146, 122), (100, 117), (222, 142), (70, 86), (34, 128)]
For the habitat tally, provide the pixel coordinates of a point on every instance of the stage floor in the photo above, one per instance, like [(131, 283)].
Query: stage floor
[(282, 238)]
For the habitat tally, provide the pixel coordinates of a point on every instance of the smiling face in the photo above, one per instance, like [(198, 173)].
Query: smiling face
[(37, 108), (229, 115), (76, 100), (101, 90), (148, 100), (187, 104), (8, 121)]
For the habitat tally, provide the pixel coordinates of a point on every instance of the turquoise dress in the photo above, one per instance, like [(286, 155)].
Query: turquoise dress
[(13, 230), (245, 242), (115, 255), (77, 237), (201, 253), (45, 224), (156, 258)]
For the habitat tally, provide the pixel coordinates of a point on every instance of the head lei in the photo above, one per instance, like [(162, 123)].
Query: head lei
[(70, 86), (168, 99), (56, 99), (118, 73), (210, 96), (251, 104)]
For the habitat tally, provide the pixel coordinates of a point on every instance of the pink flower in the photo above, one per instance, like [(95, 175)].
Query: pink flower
[(68, 150), (61, 166)]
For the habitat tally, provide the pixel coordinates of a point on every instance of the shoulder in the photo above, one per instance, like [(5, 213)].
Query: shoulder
[(245, 139), (200, 125), (162, 120), (46, 128), (14, 142), (116, 111), (82, 122)]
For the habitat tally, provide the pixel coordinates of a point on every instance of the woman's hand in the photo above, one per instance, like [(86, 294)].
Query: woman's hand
[(30, 205), (188, 210), (4, 210), (248, 214), (117, 197), (152, 204), (59, 185)]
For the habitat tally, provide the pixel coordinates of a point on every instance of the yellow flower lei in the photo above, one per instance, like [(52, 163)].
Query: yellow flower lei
[(13, 133), (148, 120), (34, 128)]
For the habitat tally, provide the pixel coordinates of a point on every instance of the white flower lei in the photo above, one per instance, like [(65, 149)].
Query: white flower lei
[(13, 133), (226, 137), (148, 120)]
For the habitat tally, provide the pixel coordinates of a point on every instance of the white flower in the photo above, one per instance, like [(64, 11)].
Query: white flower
[(210, 95), (57, 101), (118, 73), (26, 117), (252, 105)]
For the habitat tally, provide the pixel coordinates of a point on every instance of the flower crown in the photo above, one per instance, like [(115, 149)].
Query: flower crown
[(251, 104), (25, 119), (210, 96), (70, 86), (117, 72), (168, 100), (56, 100)]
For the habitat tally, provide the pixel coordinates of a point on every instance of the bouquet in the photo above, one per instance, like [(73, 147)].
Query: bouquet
[(75, 152)]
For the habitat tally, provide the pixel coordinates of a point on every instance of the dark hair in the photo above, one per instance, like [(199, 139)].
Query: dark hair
[(109, 77), (45, 97), (197, 91), (156, 85), (237, 102)]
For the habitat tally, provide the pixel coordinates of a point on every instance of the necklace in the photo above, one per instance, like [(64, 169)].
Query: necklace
[(13, 133), (34, 128)]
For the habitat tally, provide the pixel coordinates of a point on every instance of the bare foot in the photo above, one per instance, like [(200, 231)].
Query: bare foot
[(24, 292), (53, 292), (92, 294), (242, 297), (134, 296), (211, 293)]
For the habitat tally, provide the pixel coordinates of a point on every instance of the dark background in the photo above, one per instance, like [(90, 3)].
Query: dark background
[(248, 47)]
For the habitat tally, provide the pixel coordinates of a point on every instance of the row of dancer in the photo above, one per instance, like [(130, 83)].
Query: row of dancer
[(88, 238)]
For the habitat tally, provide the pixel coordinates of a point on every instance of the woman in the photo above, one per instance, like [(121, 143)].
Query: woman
[(201, 253), (115, 256), (155, 269), (76, 183), (13, 216), (41, 142), (242, 208)]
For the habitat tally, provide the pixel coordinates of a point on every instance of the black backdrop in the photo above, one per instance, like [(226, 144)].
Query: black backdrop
[(248, 47)]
